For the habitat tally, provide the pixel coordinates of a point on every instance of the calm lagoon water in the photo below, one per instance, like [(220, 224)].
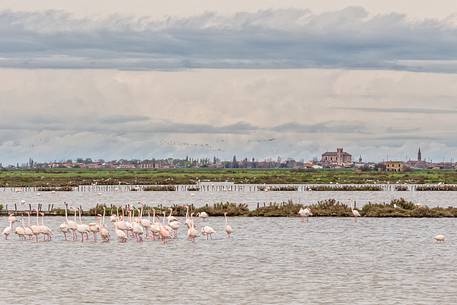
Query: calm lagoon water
[(269, 261), (90, 199)]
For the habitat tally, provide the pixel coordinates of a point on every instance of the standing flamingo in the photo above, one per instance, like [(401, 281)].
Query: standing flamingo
[(203, 215), (20, 231), (7, 231), (355, 213), (27, 231), (137, 228), (82, 228), (104, 233), (72, 224), (64, 226), (45, 230), (304, 213), (164, 233), (208, 231), (155, 226), (94, 227), (121, 235), (228, 228), (188, 220), (192, 233), (36, 230)]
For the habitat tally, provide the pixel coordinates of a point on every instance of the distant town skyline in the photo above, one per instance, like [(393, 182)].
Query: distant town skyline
[(260, 79), (327, 157)]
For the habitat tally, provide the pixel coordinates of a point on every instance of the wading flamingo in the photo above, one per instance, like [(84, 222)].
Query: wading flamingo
[(45, 230), (208, 231), (28, 232), (7, 231), (121, 235), (164, 233), (36, 230), (228, 228), (192, 233), (189, 222), (104, 233), (155, 226), (355, 213), (305, 213), (137, 228), (64, 226), (82, 228), (94, 227), (72, 224), (20, 231), (203, 215)]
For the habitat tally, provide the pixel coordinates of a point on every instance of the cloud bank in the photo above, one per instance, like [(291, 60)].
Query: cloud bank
[(60, 114), (350, 38)]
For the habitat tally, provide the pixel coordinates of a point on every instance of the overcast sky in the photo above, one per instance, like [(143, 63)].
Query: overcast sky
[(204, 78)]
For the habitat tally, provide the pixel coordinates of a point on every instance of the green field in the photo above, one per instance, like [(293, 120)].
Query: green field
[(74, 177)]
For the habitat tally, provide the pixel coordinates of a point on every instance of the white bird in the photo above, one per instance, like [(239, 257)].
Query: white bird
[(94, 227), (71, 224), (7, 231), (208, 231), (45, 230), (356, 214), (104, 233), (155, 226), (28, 232), (82, 228), (12, 218), (20, 231), (64, 226), (305, 213), (164, 232), (36, 230), (188, 221), (146, 223), (137, 228), (121, 235), (439, 238), (192, 233), (228, 228), (203, 215), (171, 217)]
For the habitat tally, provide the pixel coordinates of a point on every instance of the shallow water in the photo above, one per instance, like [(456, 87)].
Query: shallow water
[(269, 261), (90, 199)]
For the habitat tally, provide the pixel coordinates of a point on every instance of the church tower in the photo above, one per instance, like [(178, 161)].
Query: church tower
[(419, 155)]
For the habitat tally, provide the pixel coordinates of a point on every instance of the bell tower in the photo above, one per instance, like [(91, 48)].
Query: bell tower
[(419, 155)]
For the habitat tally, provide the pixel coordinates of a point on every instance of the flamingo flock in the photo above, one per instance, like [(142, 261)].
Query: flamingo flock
[(133, 226)]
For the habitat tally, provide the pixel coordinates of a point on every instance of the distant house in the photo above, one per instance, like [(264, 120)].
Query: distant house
[(338, 158), (395, 166)]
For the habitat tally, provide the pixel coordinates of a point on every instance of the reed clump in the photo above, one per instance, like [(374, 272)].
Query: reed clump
[(345, 188), (55, 189), (283, 209), (441, 187), (330, 207), (160, 188), (278, 188), (401, 188), (403, 208)]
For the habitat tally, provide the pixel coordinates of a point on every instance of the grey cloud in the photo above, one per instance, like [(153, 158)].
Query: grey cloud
[(123, 125), (293, 38), (324, 127), (411, 110), (117, 119)]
